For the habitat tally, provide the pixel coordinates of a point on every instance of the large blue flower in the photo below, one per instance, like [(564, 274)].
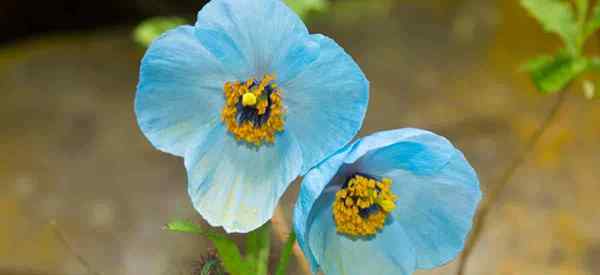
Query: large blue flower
[(388, 204), (251, 100)]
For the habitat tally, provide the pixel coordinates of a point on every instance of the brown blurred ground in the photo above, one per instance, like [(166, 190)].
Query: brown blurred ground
[(81, 189)]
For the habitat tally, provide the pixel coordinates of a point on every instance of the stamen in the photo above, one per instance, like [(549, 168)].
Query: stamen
[(253, 110), (362, 205)]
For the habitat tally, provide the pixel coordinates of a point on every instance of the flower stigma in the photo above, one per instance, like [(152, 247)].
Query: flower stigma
[(362, 205), (248, 99), (253, 110)]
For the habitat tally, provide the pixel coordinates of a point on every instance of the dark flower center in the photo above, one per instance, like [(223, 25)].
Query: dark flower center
[(250, 114)]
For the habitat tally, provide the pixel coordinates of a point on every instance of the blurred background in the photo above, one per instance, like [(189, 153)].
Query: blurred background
[(83, 192)]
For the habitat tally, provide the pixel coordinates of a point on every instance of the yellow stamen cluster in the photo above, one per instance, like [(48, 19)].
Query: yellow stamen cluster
[(252, 95), (351, 203)]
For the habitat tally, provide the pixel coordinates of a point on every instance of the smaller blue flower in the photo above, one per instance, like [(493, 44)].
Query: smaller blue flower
[(388, 204)]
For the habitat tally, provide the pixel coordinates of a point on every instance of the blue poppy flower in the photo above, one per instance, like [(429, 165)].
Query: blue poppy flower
[(388, 204), (251, 100)]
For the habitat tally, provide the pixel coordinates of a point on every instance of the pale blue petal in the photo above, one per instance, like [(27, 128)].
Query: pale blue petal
[(390, 252), (437, 210), (311, 188), (326, 102), (412, 148), (300, 55), (227, 52), (236, 185), (437, 188), (180, 94), (253, 36)]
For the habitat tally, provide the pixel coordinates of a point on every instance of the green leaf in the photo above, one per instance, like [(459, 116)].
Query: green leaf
[(304, 7), (258, 245), (536, 63), (286, 252), (553, 74), (185, 227), (227, 248), (152, 28), (594, 22), (555, 16)]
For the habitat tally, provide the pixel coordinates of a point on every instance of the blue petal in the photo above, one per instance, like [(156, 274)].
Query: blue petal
[(297, 59), (237, 186), (253, 36), (388, 253), (437, 210), (179, 96), (311, 188), (411, 148), (438, 193), (326, 102)]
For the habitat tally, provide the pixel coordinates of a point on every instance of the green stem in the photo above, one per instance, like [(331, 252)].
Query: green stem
[(285, 254), (582, 11), (262, 257)]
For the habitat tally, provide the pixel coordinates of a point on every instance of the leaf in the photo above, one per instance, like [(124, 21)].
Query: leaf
[(553, 74), (304, 7), (284, 259), (594, 22), (536, 63), (227, 248), (185, 227), (152, 28), (555, 16), (258, 245)]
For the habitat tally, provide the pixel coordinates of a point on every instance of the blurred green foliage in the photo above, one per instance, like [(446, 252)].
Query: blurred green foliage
[(555, 16), (574, 24), (152, 28), (304, 7), (553, 73)]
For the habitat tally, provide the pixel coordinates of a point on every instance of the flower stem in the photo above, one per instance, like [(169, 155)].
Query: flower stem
[(262, 257), (63, 239), (495, 191), (286, 252), (282, 230)]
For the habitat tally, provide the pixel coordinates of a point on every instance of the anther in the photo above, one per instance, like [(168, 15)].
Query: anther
[(362, 205)]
